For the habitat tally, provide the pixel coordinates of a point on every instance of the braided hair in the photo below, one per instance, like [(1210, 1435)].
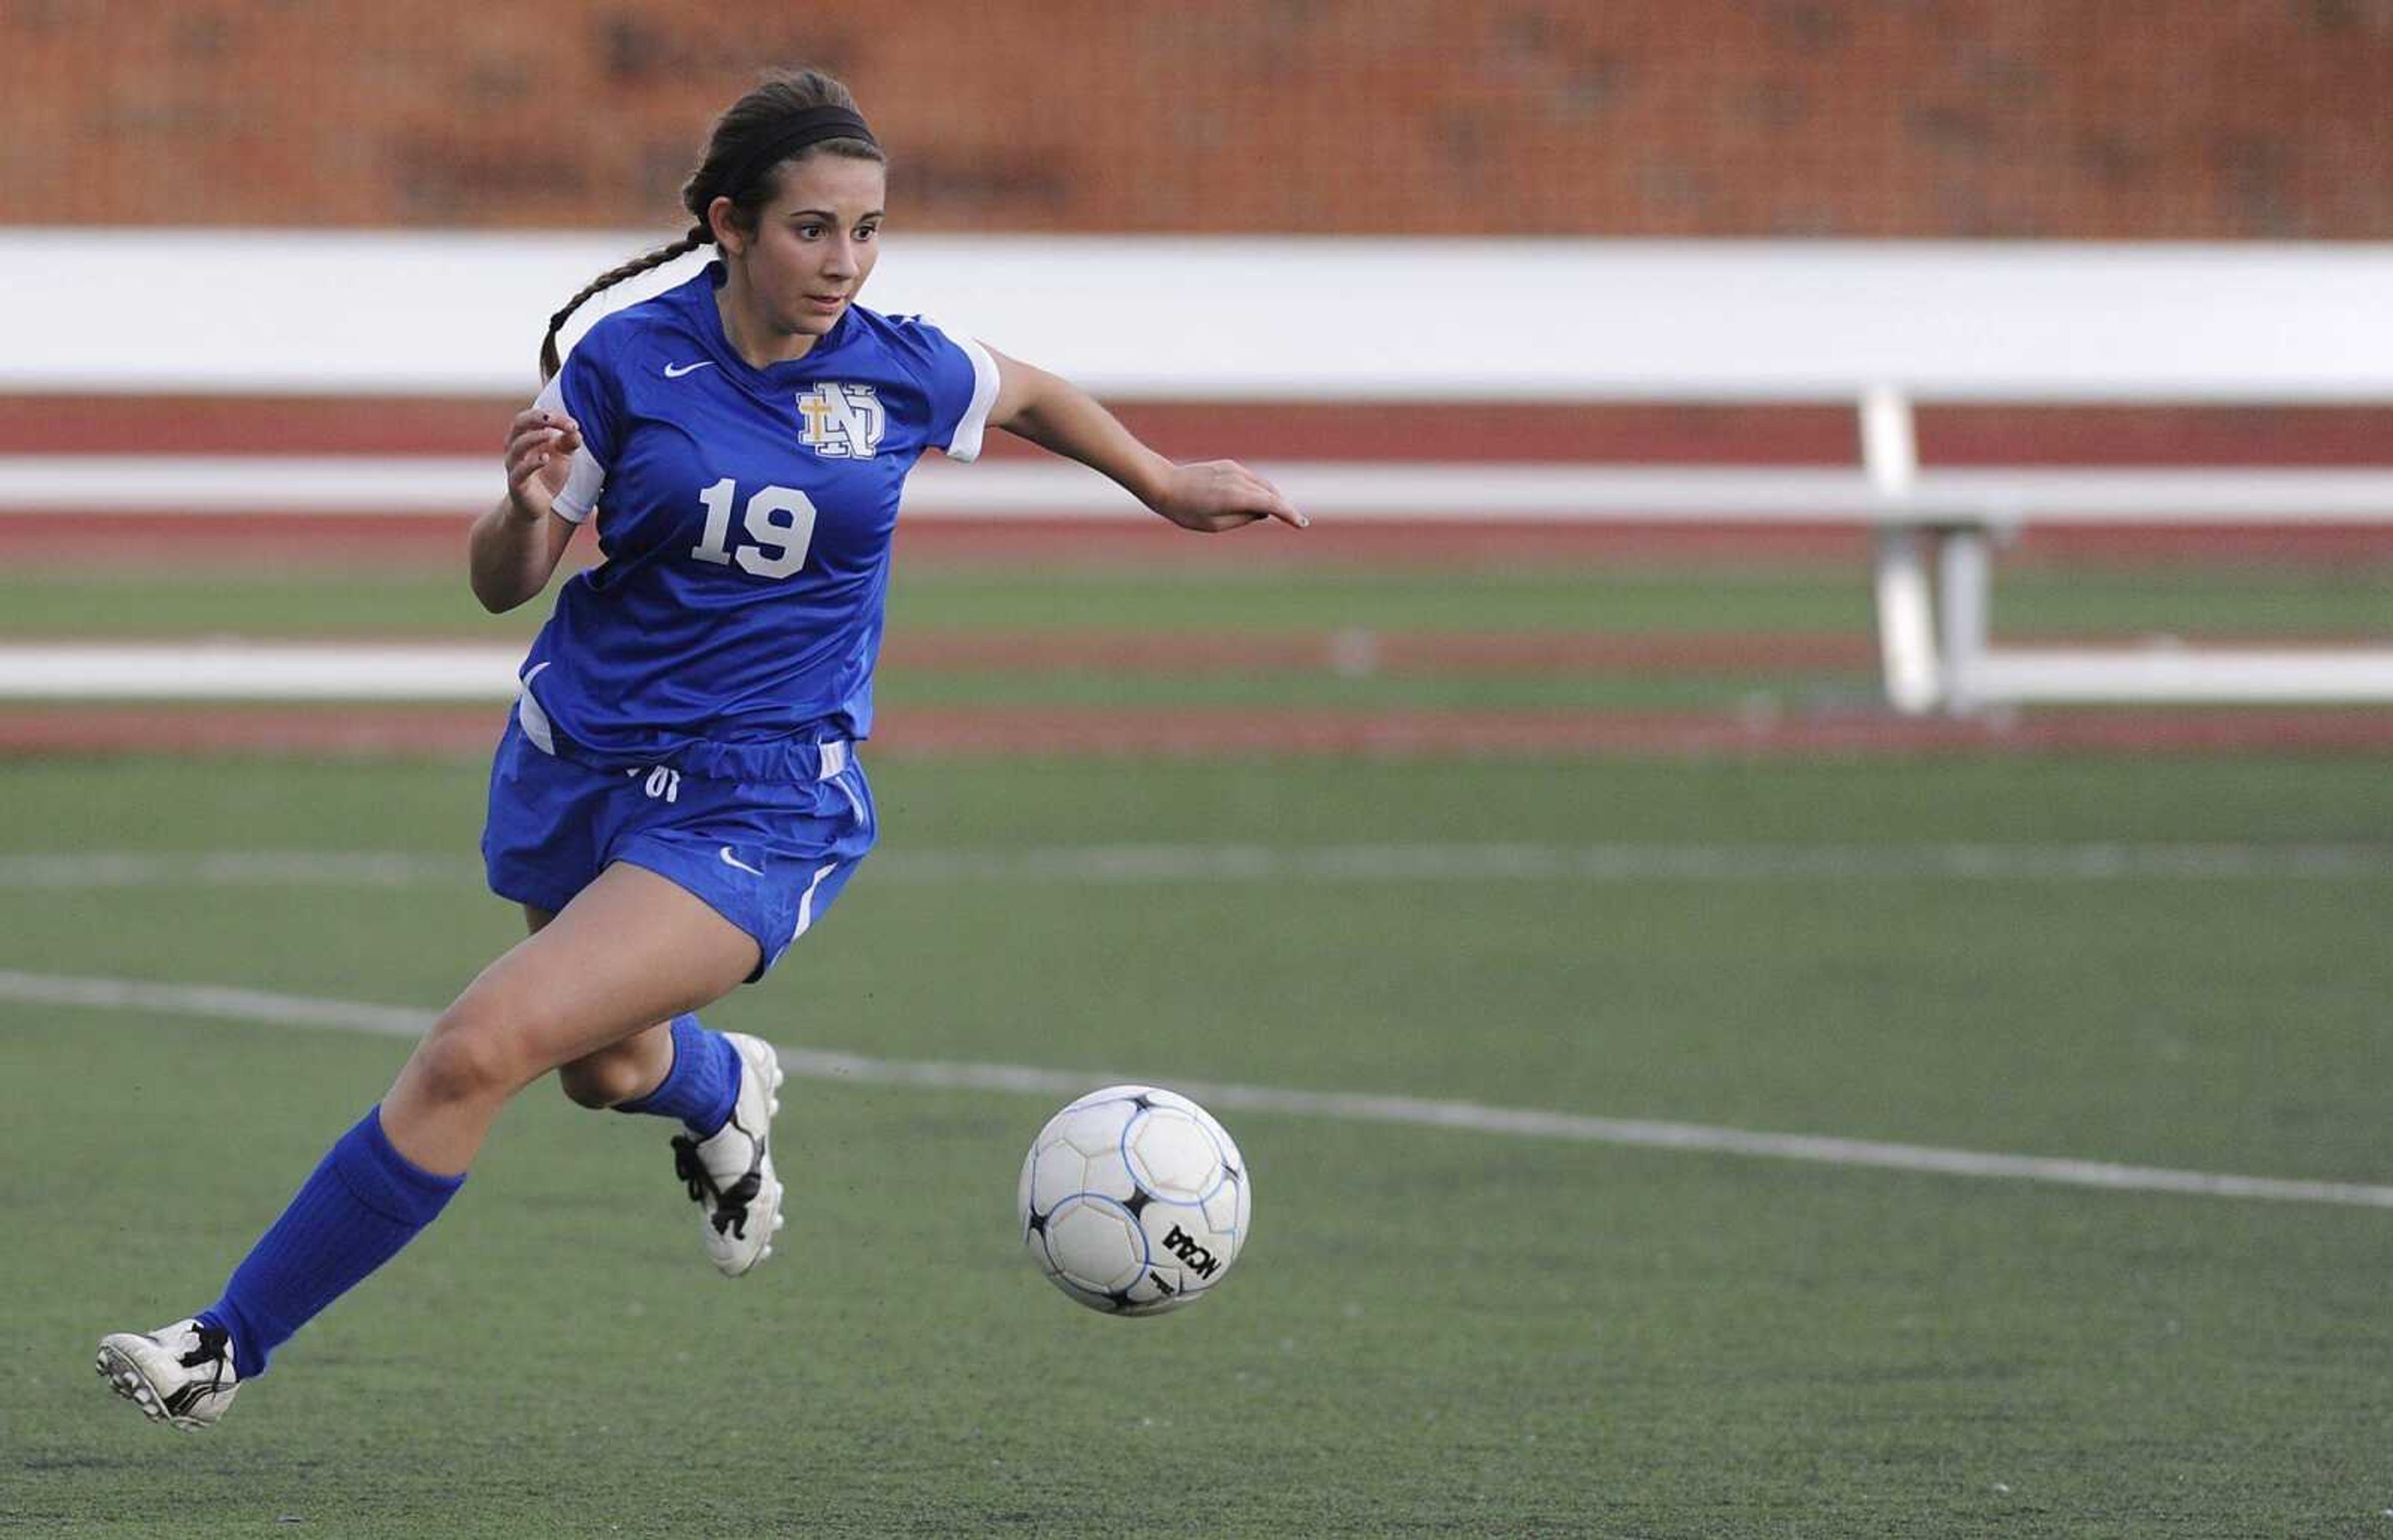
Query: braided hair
[(737, 133)]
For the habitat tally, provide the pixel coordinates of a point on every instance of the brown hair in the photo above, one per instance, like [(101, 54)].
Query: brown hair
[(738, 134)]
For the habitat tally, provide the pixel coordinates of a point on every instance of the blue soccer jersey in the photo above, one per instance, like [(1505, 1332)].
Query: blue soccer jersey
[(746, 529)]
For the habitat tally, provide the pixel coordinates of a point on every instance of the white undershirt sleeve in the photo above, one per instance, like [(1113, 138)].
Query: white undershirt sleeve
[(965, 444), (587, 477)]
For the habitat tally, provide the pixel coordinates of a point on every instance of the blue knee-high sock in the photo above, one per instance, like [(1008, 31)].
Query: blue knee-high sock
[(702, 1085), (363, 1202)]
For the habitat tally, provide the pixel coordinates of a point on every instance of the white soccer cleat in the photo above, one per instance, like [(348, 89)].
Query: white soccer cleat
[(730, 1174), (180, 1374)]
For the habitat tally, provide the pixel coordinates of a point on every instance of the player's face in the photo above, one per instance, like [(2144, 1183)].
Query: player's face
[(815, 243)]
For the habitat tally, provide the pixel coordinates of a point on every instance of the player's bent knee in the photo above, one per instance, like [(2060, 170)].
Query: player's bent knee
[(466, 1061)]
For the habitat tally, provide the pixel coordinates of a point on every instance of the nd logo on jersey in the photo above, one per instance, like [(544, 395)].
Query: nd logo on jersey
[(844, 421)]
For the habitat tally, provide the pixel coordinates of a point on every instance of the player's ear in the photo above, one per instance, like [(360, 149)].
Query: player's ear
[(722, 218)]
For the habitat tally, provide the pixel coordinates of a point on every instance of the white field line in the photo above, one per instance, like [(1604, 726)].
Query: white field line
[(221, 669), (1136, 865), (229, 670), (1414, 1112)]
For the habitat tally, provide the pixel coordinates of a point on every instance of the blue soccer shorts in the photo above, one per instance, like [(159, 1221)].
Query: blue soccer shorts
[(768, 856)]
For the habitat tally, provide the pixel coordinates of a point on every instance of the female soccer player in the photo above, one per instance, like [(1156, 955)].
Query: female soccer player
[(676, 799)]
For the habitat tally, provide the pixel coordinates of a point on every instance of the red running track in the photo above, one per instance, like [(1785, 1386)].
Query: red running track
[(1181, 734), (1611, 432)]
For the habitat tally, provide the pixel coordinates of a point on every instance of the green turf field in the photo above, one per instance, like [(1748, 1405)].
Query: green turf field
[(1434, 1330), (1208, 604)]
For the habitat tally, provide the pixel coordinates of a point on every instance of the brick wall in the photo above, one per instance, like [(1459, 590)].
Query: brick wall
[(1868, 118)]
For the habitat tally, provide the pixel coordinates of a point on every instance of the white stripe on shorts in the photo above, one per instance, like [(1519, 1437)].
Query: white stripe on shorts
[(806, 904), (534, 720)]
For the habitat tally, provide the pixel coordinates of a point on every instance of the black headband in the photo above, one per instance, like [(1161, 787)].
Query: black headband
[(809, 128)]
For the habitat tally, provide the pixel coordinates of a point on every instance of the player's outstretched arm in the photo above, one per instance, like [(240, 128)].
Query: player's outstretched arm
[(1055, 414), (515, 546)]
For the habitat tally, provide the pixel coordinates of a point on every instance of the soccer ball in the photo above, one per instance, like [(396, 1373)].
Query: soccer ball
[(1133, 1201)]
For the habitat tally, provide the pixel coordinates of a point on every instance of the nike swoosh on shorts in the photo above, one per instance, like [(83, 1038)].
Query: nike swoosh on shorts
[(731, 860)]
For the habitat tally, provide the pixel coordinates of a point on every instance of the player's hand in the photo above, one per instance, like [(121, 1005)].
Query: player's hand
[(1213, 495), (540, 456)]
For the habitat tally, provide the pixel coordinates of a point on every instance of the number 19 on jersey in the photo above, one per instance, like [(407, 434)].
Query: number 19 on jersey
[(778, 522)]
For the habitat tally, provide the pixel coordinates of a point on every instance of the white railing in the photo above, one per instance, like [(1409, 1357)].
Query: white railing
[(1947, 661), (1875, 326)]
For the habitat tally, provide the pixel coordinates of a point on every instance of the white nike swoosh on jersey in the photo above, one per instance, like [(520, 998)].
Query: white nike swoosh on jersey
[(731, 860), (673, 373)]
